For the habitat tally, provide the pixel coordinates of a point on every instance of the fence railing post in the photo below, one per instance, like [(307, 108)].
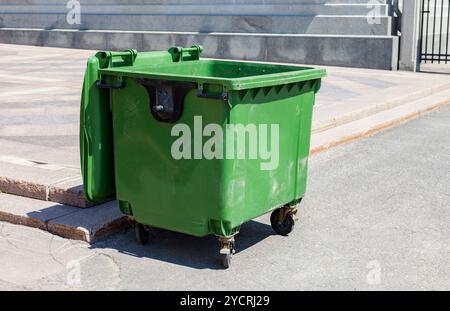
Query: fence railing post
[(409, 40)]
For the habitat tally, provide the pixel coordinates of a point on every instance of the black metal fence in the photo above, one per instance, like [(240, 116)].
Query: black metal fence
[(434, 31)]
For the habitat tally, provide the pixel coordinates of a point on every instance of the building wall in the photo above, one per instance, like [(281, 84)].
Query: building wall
[(330, 32)]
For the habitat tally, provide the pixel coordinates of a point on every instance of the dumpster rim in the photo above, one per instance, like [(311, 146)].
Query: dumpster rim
[(243, 83)]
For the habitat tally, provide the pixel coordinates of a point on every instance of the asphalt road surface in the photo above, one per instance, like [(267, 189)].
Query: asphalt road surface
[(376, 217)]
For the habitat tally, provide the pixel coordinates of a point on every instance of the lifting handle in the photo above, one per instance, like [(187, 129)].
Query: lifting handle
[(180, 54)]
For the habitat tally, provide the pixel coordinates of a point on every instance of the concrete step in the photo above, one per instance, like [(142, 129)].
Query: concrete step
[(279, 24), (66, 221), (210, 8), (377, 122), (178, 2), (376, 52), (351, 111), (53, 183)]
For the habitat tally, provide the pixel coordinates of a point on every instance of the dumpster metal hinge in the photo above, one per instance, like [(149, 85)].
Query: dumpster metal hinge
[(103, 85), (203, 94)]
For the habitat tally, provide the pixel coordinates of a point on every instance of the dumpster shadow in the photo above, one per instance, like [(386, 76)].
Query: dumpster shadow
[(182, 249)]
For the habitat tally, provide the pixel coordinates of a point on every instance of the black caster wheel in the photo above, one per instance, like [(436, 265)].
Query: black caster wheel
[(226, 260), (226, 250), (141, 233), (283, 228)]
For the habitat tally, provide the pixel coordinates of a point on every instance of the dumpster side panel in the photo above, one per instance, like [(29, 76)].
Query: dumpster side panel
[(304, 139), (249, 190)]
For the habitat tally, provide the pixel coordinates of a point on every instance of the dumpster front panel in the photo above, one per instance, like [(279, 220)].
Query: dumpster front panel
[(180, 195)]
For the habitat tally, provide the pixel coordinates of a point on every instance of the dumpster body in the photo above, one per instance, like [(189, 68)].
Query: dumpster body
[(134, 109)]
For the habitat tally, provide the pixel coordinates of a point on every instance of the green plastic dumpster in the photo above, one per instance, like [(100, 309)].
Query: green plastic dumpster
[(197, 146)]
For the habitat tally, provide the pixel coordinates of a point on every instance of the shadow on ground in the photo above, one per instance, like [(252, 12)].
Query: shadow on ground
[(182, 249)]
